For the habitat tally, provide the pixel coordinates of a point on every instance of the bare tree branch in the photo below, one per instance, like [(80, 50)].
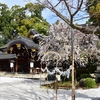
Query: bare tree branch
[(79, 7), (52, 8), (81, 18), (67, 7), (57, 4), (76, 10)]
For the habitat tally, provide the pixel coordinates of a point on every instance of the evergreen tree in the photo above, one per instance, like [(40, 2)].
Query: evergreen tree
[(21, 19), (93, 8)]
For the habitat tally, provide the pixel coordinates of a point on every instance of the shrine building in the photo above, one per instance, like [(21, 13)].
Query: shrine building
[(20, 55)]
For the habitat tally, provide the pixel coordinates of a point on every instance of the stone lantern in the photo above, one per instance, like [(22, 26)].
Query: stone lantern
[(97, 74)]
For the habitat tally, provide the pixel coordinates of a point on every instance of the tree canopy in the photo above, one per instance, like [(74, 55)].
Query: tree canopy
[(58, 42), (94, 11), (21, 19), (69, 11)]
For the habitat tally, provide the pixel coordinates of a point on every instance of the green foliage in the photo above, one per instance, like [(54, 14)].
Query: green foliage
[(1, 42), (60, 85), (35, 10), (94, 11), (41, 27), (84, 76), (89, 83), (67, 84), (21, 19)]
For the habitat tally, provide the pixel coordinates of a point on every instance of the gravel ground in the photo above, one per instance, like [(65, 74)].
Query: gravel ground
[(29, 89)]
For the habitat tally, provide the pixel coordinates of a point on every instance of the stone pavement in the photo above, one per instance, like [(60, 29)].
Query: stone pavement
[(27, 76), (22, 75), (21, 89), (29, 89)]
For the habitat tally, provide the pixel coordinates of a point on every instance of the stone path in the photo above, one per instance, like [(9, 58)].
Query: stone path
[(29, 89), (26, 76)]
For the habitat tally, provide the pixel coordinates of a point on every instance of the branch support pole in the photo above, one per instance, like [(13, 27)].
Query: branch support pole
[(73, 79)]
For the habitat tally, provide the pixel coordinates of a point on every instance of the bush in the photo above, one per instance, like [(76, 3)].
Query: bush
[(89, 83), (84, 76)]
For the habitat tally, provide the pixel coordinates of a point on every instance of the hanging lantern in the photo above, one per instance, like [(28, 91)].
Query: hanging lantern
[(11, 64), (31, 64)]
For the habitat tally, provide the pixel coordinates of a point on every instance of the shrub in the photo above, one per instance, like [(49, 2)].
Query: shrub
[(84, 76), (89, 83)]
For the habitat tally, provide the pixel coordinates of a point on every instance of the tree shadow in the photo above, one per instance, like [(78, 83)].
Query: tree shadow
[(29, 89)]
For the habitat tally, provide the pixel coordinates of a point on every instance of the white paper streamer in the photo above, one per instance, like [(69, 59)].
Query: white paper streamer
[(63, 73), (43, 70), (50, 73)]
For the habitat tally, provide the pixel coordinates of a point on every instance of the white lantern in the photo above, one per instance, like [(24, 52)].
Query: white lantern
[(11, 64), (31, 64)]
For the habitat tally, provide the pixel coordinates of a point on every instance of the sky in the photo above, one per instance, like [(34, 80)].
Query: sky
[(49, 16), (11, 3)]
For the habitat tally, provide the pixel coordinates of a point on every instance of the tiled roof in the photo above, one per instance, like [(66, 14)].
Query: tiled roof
[(22, 40)]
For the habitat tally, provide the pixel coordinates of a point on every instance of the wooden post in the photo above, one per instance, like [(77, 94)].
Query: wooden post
[(16, 67), (73, 83), (47, 80), (30, 70), (56, 79), (40, 75)]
